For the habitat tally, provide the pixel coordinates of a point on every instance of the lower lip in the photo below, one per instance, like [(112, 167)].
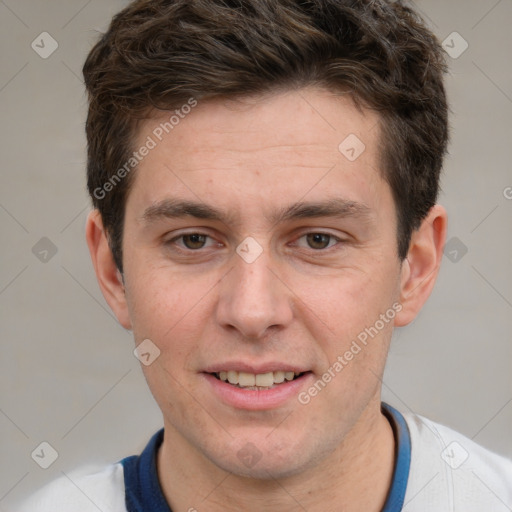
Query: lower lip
[(258, 400)]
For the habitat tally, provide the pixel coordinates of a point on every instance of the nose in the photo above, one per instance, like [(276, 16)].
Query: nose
[(252, 299)]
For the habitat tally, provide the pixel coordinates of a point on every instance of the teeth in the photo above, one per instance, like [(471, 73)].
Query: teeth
[(233, 377), (246, 379), (265, 379), (250, 380), (278, 377)]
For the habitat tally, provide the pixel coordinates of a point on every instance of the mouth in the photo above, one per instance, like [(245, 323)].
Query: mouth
[(257, 381), (257, 387)]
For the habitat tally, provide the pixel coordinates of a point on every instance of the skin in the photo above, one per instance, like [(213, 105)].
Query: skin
[(294, 304)]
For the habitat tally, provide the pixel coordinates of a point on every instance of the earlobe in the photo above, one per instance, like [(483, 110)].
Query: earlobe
[(421, 267), (108, 276)]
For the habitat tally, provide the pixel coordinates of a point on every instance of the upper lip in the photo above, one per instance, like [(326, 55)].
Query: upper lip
[(240, 366)]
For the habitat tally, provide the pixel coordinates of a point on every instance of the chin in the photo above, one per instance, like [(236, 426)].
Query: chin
[(264, 460), (263, 470)]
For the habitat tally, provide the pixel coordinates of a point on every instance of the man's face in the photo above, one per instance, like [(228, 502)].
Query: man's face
[(319, 268)]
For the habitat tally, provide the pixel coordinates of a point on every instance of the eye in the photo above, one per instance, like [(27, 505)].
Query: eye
[(194, 241), (191, 241), (319, 241)]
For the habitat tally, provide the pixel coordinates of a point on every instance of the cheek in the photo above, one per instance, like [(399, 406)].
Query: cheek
[(167, 307), (341, 306)]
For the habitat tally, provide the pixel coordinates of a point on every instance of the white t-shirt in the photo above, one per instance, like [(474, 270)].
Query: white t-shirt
[(436, 470)]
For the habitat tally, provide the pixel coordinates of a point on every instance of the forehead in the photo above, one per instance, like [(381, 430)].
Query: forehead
[(269, 148)]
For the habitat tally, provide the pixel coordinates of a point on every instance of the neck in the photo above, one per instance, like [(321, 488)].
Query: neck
[(356, 476)]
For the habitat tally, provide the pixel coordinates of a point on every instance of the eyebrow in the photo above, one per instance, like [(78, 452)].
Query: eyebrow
[(336, 208)]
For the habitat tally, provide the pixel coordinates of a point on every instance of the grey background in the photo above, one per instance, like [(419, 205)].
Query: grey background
[(67, 372)]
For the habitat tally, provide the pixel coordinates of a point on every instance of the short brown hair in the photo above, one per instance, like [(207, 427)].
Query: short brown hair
[(157, 54)]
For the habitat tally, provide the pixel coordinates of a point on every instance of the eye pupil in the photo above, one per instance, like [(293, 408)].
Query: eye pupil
[(318, 240), (194, 241)]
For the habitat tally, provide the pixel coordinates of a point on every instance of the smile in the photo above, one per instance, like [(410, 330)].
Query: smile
[(259, 381), (259, 389)]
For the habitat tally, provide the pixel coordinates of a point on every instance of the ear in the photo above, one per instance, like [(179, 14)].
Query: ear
[(421, 266), (108, 276)]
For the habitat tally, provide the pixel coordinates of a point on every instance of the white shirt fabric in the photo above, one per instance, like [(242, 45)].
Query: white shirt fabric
[(448, 473), (451, 473)]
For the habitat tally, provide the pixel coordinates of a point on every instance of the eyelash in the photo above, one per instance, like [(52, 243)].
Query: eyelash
[(325, 250)]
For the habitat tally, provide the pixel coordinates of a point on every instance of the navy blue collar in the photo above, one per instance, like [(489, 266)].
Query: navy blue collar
[(396, 495), (143, 492), (142, 487)]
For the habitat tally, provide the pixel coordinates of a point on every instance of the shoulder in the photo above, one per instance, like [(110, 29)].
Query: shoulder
[(82, 490), (451, 472)]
